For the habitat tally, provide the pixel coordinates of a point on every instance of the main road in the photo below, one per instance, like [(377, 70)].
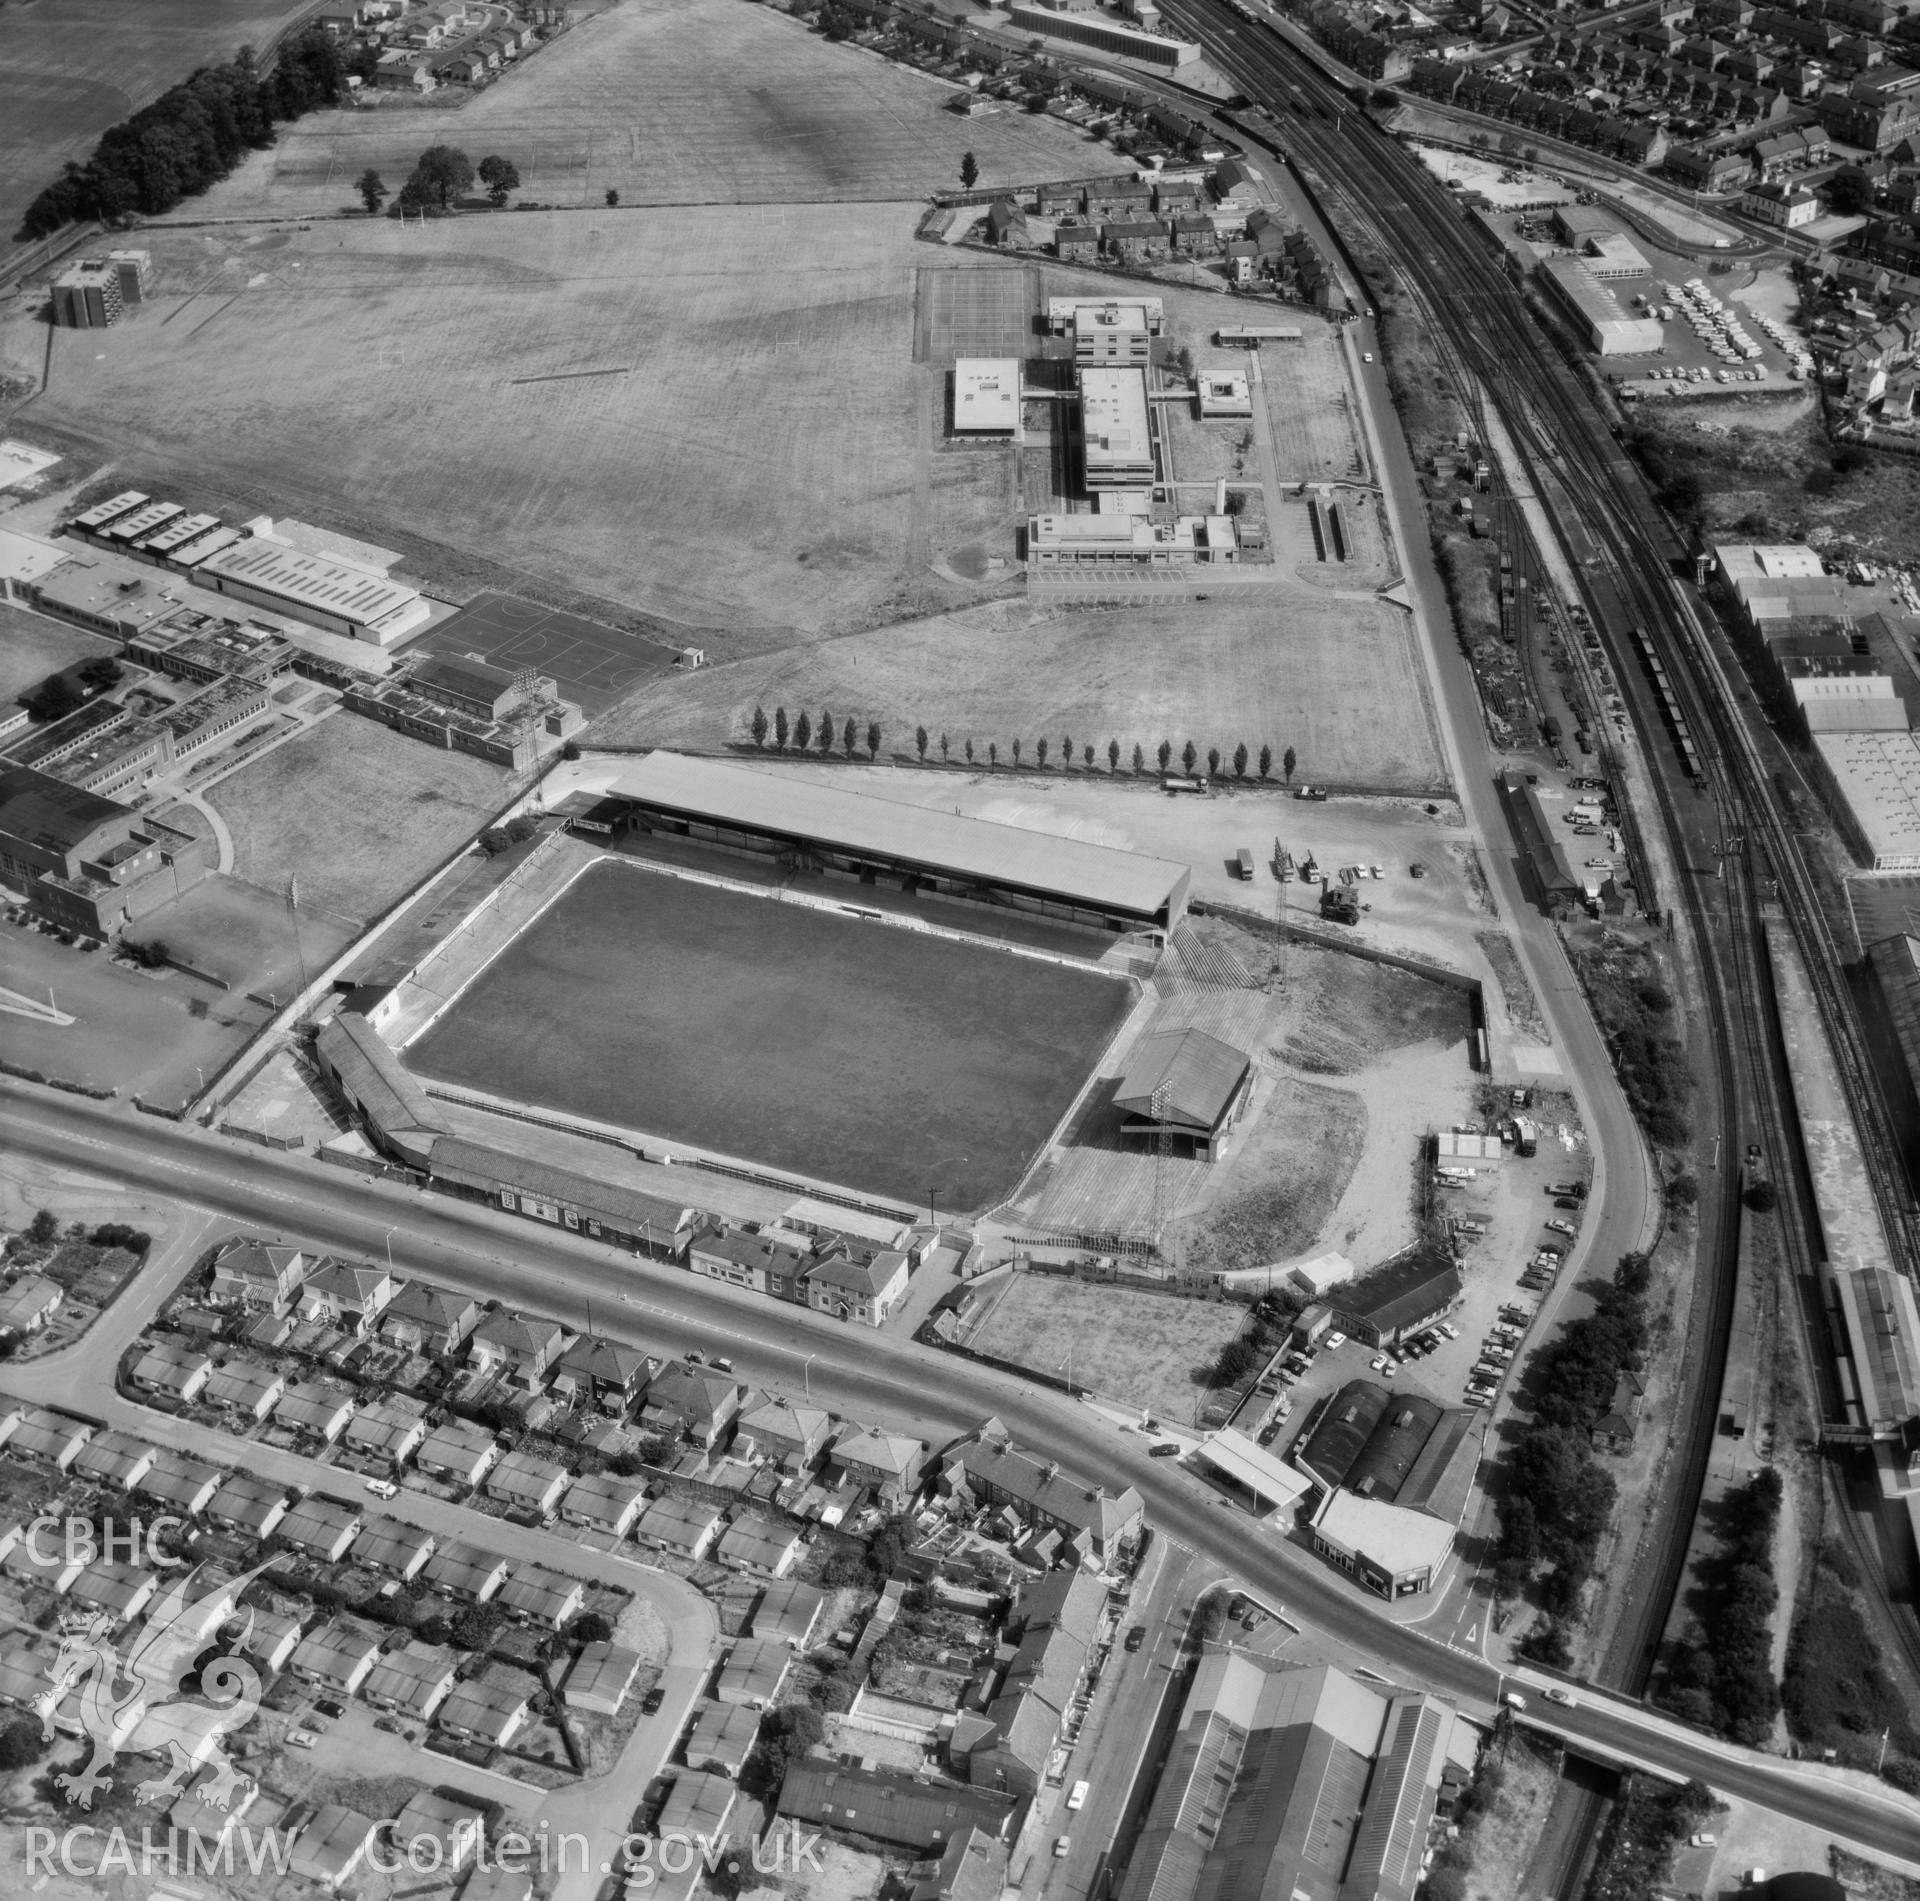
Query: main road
[(863, 1374)]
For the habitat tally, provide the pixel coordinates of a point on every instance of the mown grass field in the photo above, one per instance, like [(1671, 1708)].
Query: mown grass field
[(710, 417), (678, 102), (849, 1052), (1337, 679), (71, 68), (356, 812), (1154, 1351)]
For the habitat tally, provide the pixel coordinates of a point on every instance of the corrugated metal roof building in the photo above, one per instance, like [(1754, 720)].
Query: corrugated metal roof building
[(855, 831)]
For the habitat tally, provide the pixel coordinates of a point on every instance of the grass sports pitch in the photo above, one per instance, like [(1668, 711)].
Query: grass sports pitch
[(858, 1053)]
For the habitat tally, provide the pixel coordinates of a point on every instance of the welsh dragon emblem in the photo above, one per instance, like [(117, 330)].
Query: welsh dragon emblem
[(137, 1704)]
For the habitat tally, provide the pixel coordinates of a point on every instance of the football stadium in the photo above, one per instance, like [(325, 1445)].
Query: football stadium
[(818, 986)]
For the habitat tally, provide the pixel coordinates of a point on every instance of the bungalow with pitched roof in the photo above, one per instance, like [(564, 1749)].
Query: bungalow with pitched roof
[(339, 1655), (600, 1678), (489, 1709), (604, 1501), (685, 1526), (526, 1483), (331, 1844), (314, 1410), (29, 1304), (787, 1612), (246, 1387), (459, 1451), (391, 1429), (113, 1458), (321, 1527), (437, 1831), (171, 1370), (43, 1437), (722, 1737), (253, 1507), (394, 1549), (466, 1571), (121, 1591), (536, 1595), (768, 1547), (414, 1680), (755, 1669), (182, 1483)]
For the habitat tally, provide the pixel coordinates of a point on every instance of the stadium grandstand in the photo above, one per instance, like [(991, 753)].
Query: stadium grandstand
[(854, 833)]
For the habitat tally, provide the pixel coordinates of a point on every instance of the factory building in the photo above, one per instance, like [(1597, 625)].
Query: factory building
[(1069, 541), (1596, 312), (1872, 783), (335, 595), (1293, 1782)]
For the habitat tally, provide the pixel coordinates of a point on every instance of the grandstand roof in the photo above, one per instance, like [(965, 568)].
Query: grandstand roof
[(805, 812), (1199, 1075)]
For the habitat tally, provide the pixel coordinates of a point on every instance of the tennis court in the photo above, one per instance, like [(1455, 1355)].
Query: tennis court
[(589, 663), (975, 313)]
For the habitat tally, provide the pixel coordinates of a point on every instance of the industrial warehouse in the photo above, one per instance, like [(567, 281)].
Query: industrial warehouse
[(871, 838)]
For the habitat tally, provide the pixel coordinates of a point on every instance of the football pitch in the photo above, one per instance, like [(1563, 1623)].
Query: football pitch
[(857, 1053)]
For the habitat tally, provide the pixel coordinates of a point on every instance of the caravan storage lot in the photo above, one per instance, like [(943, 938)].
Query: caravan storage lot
[(846, 1051)]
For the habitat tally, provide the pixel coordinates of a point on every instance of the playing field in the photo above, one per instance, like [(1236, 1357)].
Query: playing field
[(71, 68), (355, 812), (677, 102), (1337, 679), (750, 457), (857, 1053)]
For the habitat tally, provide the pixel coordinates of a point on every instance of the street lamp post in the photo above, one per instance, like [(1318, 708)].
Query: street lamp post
[(806, 1374), (389, 1241), (933, 1220)]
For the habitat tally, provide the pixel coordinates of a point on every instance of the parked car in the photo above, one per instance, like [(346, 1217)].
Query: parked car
[(1061, 1846), (1166, 1449), (650, 1703), (301, 1738), (1334, 1341), (1378, 1364), (1561, 1227), (1450, 1330), (1567, 1201), (1135, 1638), (1076, 1799), (383, 1488)]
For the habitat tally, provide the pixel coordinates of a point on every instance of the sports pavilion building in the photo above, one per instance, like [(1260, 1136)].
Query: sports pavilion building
[(876, 840), (1185, 1084)]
